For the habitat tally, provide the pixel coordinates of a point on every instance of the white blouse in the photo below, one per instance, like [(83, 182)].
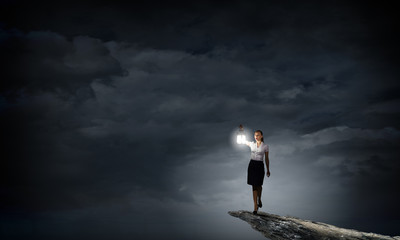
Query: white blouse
[(257, 153)]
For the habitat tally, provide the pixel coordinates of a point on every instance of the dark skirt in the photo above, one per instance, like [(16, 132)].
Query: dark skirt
[(255, 173)]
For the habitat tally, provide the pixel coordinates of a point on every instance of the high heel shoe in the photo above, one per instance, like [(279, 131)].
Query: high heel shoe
[(259, 204), (255, 212)]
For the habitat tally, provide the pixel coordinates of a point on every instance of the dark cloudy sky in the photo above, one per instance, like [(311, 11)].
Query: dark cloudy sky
[(117, 120)]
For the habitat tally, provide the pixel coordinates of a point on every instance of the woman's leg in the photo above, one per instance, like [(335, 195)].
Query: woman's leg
[(255, 194), (259, 190)]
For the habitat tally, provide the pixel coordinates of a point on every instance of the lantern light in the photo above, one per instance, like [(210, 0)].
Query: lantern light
[(241, 137)]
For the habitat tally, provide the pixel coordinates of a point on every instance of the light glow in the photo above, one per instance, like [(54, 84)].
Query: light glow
[(241, 139)]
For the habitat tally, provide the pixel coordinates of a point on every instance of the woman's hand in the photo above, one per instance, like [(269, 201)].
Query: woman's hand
[(268, 173)]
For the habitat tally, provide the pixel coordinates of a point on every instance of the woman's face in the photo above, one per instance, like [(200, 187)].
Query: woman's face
[(257, 136)]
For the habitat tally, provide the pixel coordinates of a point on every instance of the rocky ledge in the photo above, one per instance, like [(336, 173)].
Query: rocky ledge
[(277, 227)]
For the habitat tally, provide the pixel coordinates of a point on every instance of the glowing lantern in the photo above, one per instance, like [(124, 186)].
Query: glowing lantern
[(241, 137)]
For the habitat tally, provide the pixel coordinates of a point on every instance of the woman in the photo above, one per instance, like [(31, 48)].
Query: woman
[(255, 171)]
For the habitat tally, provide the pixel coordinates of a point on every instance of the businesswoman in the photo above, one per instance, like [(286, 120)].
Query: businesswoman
[(255, 171)]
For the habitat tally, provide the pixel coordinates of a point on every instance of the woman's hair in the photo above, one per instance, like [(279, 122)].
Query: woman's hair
[(262, 138)]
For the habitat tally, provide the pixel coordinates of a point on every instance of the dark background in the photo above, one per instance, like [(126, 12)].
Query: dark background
[(118, 120)]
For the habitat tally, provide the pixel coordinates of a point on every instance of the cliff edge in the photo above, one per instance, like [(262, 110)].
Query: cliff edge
[(277, 227)]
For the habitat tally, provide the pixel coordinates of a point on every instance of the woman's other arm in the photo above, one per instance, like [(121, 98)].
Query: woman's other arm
[(267, 163)]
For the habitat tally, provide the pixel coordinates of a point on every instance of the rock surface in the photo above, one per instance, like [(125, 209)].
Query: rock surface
[(277, 227)]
